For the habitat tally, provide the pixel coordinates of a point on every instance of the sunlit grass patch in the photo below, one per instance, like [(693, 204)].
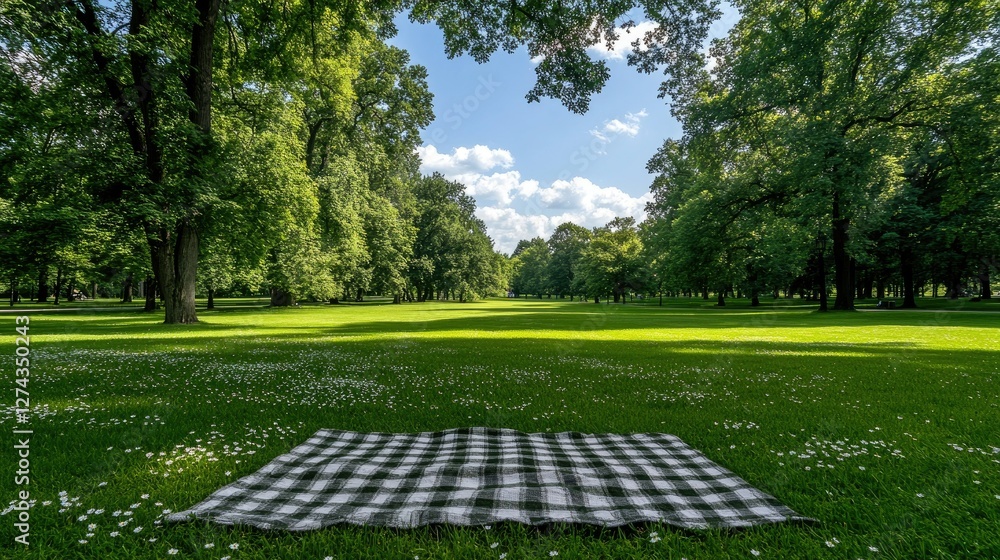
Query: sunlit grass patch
[(882, 425)]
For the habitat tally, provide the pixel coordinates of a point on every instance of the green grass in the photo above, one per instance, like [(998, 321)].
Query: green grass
[(883, 425)]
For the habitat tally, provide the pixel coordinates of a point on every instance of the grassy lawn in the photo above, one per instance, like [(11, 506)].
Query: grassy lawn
[(883, 425)]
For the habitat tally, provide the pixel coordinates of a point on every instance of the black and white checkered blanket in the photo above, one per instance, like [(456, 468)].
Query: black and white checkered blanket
[(476, 476)]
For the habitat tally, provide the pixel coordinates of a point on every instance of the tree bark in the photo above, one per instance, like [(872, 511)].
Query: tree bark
[(985, 291), (43, 284), (127, 288), (721, 299), (151, 289), (177, 259), (211, 299), (841, 260)]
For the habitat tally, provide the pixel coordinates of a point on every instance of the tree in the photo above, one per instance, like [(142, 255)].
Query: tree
[(836, 81), (533, 258), (613, 260), (566, 246), (154, 67)]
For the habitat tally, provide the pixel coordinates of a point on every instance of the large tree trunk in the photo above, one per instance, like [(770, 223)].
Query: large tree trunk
[(127, 288), (178, 265), (70, 286), (211, 299), (150, 288), (43, 284), (841, 260), (721, 302)]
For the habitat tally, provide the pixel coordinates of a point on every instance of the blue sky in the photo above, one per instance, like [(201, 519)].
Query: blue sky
[(533, 166)]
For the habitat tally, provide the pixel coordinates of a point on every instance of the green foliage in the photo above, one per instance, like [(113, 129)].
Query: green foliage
[(613, 261), (533, 259), (566, 245)]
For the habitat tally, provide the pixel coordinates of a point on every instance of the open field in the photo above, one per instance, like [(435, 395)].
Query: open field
[(884, 426)]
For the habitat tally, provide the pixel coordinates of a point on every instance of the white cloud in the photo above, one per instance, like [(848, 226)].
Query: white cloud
[(628, 126), (623, 45), (463, 160), (578, 200), (515, 208), (593, 202), (498, 189)]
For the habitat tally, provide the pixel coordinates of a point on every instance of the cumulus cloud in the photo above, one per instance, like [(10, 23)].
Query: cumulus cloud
[(498, 189), (515, 208), (629, 126), (577, 200), (463, 160), (623, 45)]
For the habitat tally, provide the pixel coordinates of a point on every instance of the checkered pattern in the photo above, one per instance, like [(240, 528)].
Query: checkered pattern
[(477, 476)]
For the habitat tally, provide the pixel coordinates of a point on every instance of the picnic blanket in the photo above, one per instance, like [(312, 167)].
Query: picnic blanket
[(478, 476)]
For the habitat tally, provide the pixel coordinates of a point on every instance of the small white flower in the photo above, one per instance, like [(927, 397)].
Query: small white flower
[(654, 539), (919, 495), (494, 545), (82, 541), (114, 534), (98, 511), (553, 553), (102, 484), (503, 555), (861, 468), (873, 548), (145, 496), (210, 545), (82, 518), (152, 539), (137, 530), (231, 472), (173, 551), (755, 552), (234, 546), (830, 544)]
